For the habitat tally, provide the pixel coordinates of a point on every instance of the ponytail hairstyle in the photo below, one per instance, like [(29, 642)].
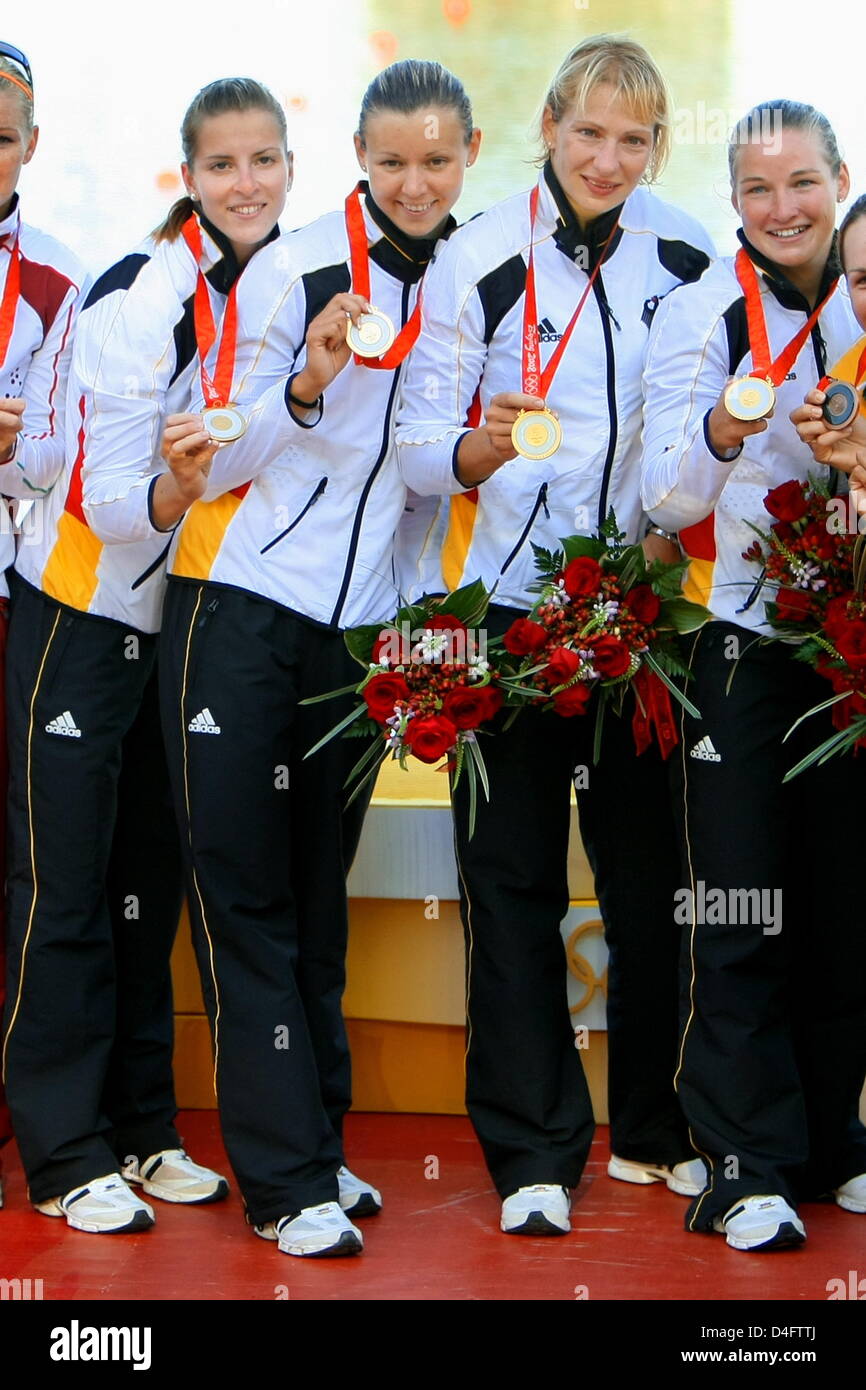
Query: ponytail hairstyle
[(415, 85), (766, 121), (14, 79), (626, 67), (227, 94), (854, 214)]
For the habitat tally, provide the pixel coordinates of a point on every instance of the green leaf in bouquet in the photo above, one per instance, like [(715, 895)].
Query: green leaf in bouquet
[(665, 580), (682, 615), (670, 661), (337, 729), (573, 547), (368, 763), (360, 640), (837, 743), (674, 689), (469, 604), (331, 694), (547, 562), (599, 726), (610, 532)]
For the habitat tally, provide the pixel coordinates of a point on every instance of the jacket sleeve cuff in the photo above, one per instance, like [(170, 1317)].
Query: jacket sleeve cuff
[(303, 424), (163, 530), (467, 487), (722, 458)]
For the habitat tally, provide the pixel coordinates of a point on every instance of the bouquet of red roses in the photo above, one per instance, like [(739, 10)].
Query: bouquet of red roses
[(606, 619), (815, 560), (427, 688)]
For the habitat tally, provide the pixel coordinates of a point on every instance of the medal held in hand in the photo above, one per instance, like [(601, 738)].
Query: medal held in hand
[(845, 396), (373, 339), (537, 434), (372, 335), (223, 421), (753, 397)]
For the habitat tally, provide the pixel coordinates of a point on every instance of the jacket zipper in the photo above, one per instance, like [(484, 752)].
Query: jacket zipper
[(598, 290), (152, 568), (371, 478), (320, 488), (540, 501)]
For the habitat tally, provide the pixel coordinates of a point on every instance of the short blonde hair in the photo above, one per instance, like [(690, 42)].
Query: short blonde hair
[(628, 68)]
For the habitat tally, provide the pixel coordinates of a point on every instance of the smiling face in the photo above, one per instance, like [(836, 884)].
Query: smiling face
[(17, 144), (599, 153), (786, 194), (415, 164), (240, 174)]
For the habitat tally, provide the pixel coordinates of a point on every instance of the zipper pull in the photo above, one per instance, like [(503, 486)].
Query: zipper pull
[(543, 499), (612, 317)]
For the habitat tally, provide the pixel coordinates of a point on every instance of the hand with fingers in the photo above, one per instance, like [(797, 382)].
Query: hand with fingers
[(485, 449), (11, 425), (843, 449), (327, 348), (188, 450), (725, 431)]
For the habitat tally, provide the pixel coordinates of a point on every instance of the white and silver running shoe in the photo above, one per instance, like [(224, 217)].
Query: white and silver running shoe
[(356, 1197), (540, 1210), (761, 1223), (105, 1205), (314, 1231), (173, 1177), (686, 1179)]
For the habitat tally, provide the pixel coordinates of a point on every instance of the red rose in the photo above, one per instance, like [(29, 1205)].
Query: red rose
[(787, 502), (390, 643), (382, 692), (574, 700), (456, 647), (851, 645), (644, 604), (581, 576), (793, 605), (836, 617), (562, 665), (784, 532), (524, 637), (469, 705), (611, 658), (430, 738)]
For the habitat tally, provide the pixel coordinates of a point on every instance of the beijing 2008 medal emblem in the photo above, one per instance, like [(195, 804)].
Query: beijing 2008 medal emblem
[(536, 434), (224, 423), (372, 335), (750, 398), (841, 405)]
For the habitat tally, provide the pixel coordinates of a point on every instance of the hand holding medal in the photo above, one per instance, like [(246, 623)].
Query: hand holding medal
[(749, 401), (188, 447), (11, 424)]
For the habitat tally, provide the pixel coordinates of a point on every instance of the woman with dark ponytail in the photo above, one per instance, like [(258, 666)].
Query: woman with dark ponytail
[(95, 869), (289, 540)]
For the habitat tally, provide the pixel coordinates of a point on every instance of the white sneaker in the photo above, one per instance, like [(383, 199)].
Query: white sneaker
[(103, 1205), (357, 1198), (851, 1196), (540, 1210), (173, 1177), (686, 1179), (761, 1223), (324, 1230)]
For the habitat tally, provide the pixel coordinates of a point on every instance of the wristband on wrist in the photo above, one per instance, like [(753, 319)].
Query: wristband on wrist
[(653, 530), (304, 405)]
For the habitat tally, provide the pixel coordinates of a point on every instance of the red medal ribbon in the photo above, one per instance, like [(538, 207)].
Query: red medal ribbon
[(9, 304), (217, 389), (653, 714), (534, 381), (360, 260), (763, 364)]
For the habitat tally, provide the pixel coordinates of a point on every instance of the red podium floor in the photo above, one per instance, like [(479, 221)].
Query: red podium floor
[(437, 1239)]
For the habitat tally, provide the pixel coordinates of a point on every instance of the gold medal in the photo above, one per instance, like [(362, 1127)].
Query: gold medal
[(750, 398), (536, 434), (372, 335), (224, 423)]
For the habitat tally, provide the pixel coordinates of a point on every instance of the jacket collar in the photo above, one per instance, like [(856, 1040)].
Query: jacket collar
[(9, 224), (781, 287), (404, 257), (576, 241), (225, 269)]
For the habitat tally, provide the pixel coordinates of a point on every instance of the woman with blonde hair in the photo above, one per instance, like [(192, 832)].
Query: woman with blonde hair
[(576, 267)]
